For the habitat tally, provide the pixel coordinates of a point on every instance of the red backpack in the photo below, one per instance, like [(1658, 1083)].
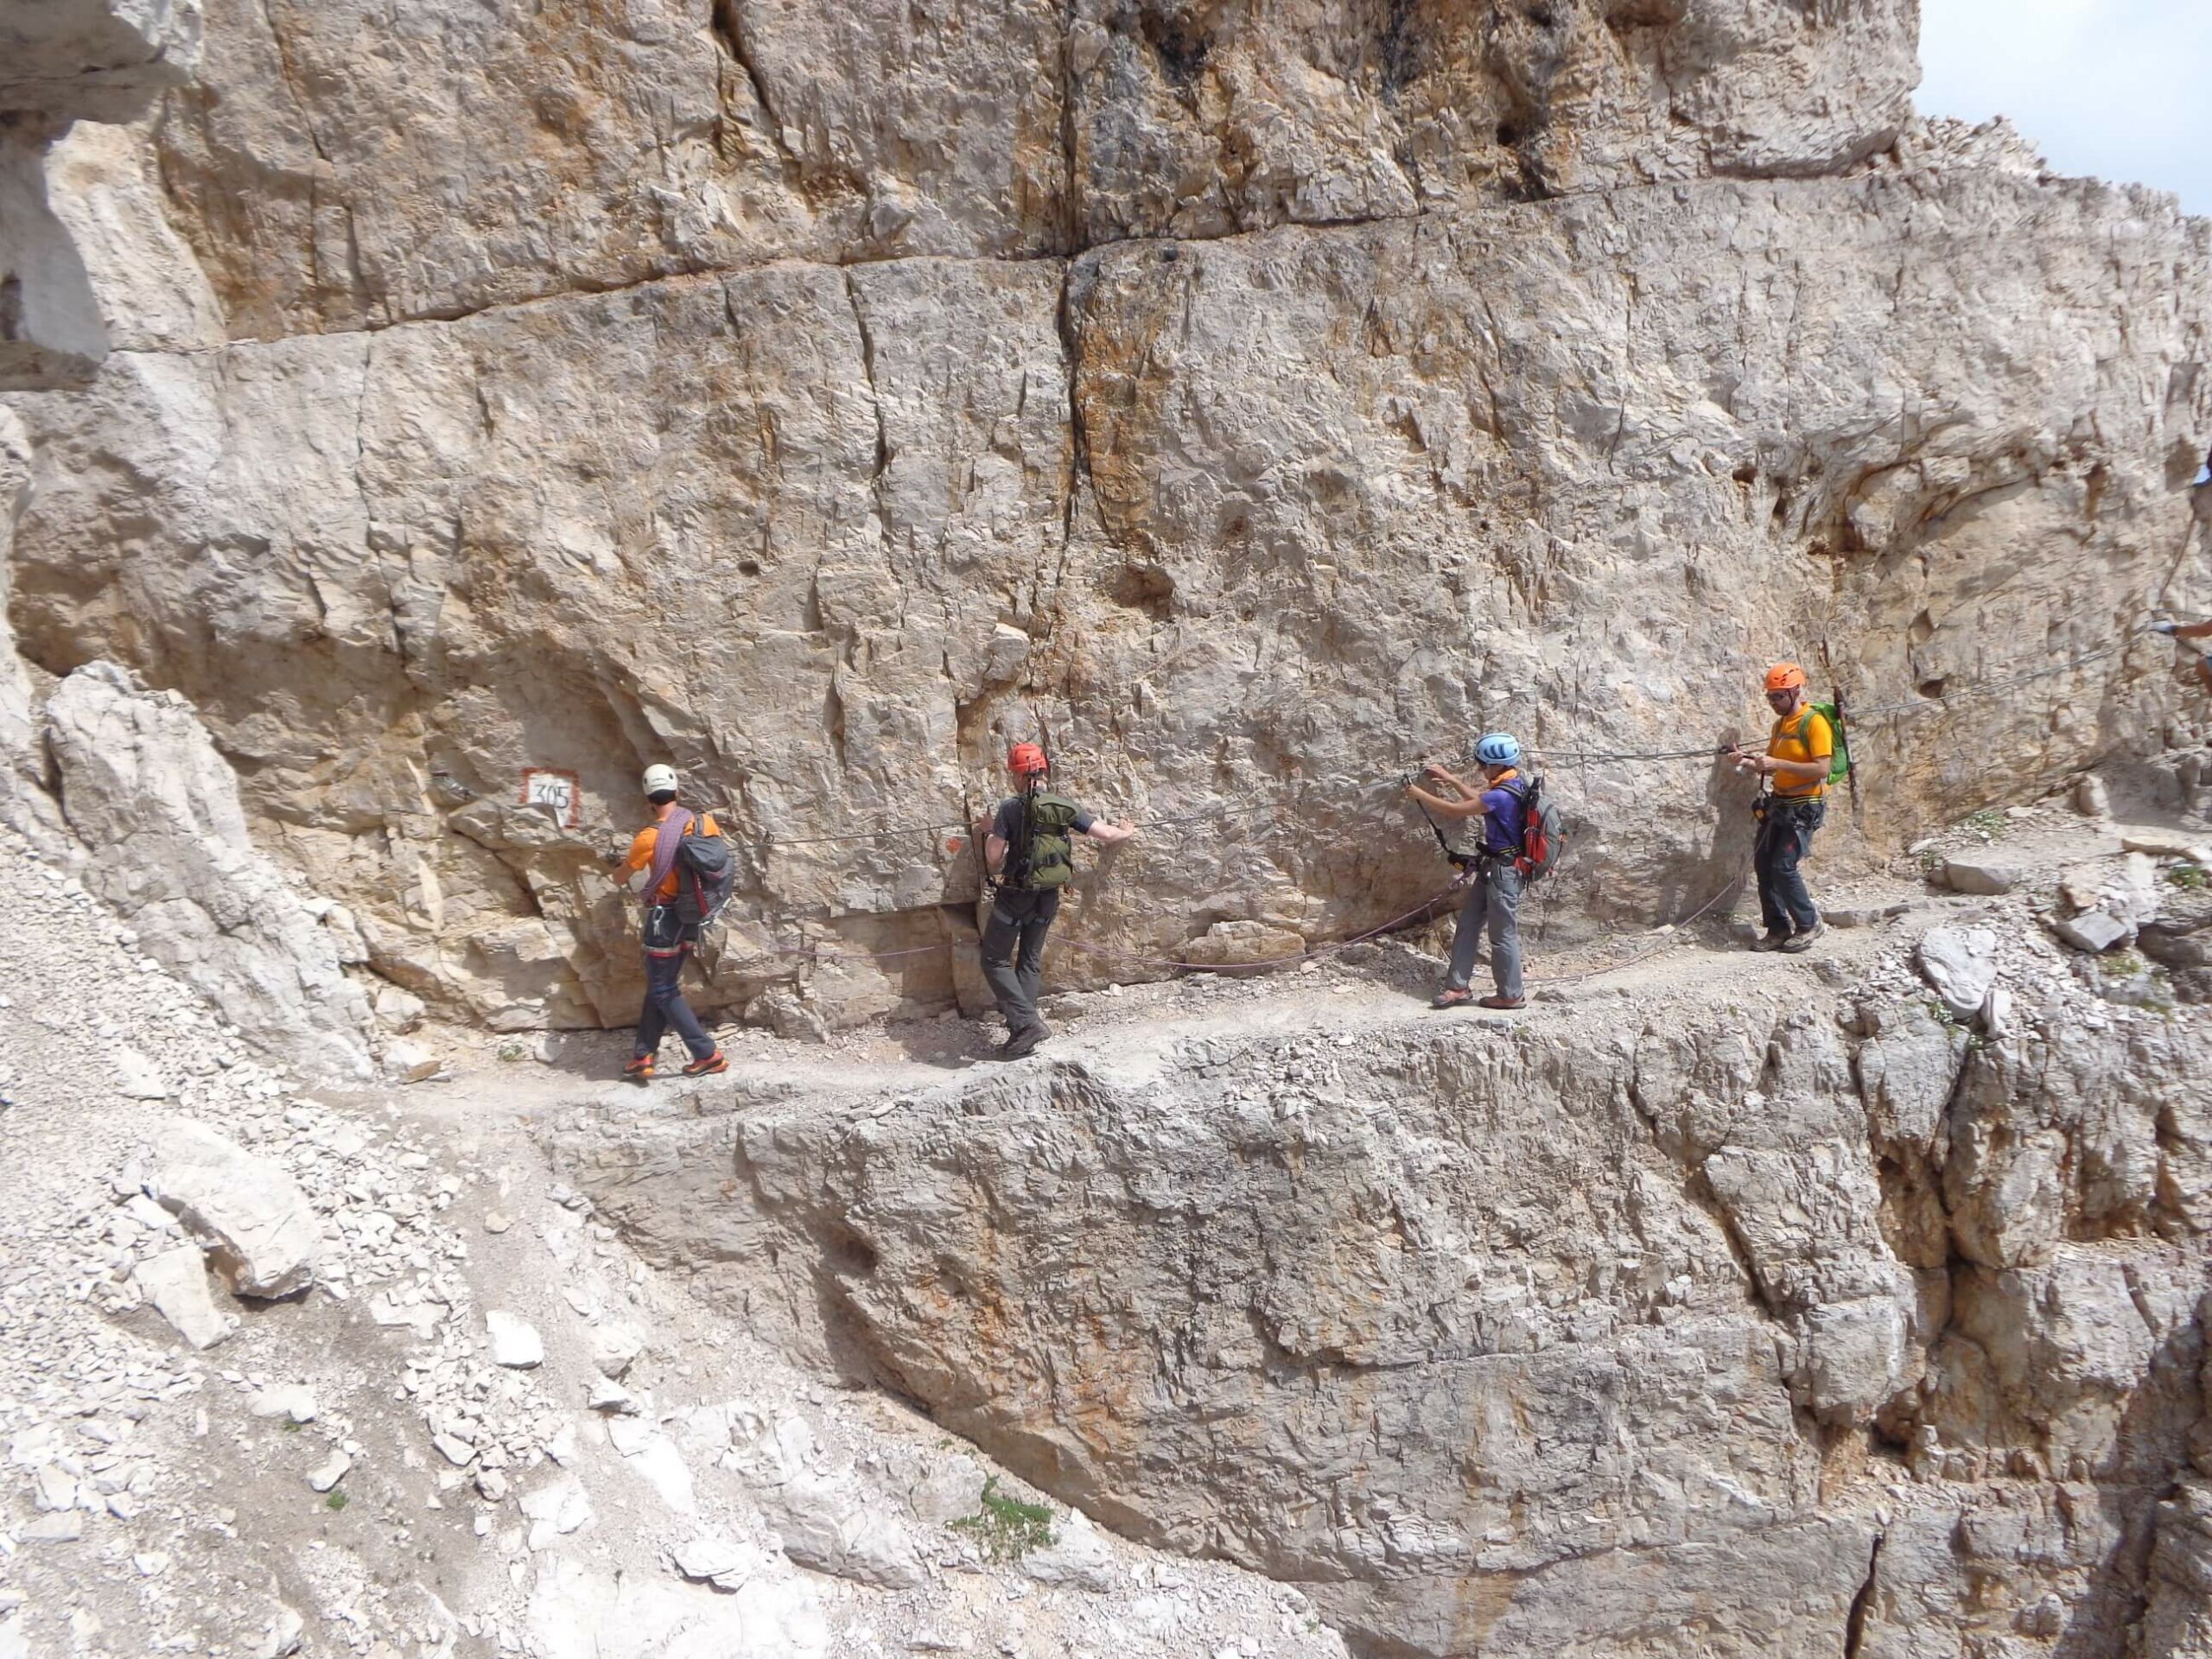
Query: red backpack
[(1543, 831)]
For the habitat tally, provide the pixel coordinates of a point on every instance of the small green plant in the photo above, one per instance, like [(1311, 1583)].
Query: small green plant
[(1989, 823), (2122, 964), (1941, 1013), (2189, 876), (1006, 1528), (510, 1051), (335, 1501), (289, 1426)]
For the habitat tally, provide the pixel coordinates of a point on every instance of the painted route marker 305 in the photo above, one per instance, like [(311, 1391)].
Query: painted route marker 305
[(557, 793)]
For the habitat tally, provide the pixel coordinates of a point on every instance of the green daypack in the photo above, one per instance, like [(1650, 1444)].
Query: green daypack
[(1840, 763), (1043, 855)]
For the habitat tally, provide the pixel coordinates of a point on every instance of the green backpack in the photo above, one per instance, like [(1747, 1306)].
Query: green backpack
[(1043, 853), (1840, 763)]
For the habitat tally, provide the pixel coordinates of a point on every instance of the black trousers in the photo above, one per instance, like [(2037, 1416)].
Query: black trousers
[(1785, 836), (1014, 952)]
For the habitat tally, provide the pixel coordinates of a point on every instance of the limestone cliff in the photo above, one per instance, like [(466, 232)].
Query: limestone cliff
[(1251, 398), (1730, 1317)]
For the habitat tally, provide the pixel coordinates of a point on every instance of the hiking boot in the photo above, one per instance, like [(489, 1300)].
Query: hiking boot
[(707, 1067), (1452, 996), (1503, 1002), (1801, 941), (1772, 940), (1023, 1042), (639, 1068)]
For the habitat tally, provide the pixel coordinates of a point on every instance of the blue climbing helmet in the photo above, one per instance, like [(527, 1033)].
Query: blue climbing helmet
[(1499, 749)]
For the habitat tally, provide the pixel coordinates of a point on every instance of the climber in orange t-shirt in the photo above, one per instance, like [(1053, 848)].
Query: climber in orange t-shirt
[(668, 940)]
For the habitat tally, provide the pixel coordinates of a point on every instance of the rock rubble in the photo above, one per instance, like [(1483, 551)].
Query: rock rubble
[(342, 1432)]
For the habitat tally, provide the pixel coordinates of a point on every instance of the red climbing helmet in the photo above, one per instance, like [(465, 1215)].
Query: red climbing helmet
[(1027, 759)]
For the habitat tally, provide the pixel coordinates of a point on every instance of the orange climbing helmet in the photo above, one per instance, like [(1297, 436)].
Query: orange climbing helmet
[(1026, 760), (1785, 676)]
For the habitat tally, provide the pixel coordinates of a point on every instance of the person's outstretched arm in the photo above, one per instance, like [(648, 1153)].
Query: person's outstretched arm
[(1445, 809)]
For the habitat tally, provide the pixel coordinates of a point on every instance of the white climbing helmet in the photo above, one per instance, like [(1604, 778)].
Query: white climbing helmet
[(658, 778)]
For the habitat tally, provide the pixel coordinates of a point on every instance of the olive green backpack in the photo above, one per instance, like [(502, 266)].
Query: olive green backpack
[(1043, 853)]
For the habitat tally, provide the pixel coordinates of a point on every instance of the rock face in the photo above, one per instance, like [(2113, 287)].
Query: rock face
[(65, 61), (146, 791), (1812, 1325), (1250, 398)]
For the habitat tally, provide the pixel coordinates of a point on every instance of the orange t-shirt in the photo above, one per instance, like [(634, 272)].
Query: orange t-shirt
[(646, 842)]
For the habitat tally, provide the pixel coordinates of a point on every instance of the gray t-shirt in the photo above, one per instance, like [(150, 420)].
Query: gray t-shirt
[(1007, 824)]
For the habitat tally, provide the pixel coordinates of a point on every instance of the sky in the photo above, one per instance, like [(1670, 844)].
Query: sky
[(2121, 89)]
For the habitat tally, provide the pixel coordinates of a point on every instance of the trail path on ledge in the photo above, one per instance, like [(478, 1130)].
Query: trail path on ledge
[(1125, 1032)]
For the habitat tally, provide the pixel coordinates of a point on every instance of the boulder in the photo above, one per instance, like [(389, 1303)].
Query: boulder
[(331, 1469), (515, 1341), (1961, 964), (2110, 901), (1997, 1014), (408, 1061), (175, 1282), (555, 1508), (2093, 930), (1981, 876), (613, 1348), (1079, 1557), (836, 1529), (719, 1561), (250, 1216), (144, 788)]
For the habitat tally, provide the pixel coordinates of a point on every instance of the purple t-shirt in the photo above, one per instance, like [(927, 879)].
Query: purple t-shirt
[(1506, 813)]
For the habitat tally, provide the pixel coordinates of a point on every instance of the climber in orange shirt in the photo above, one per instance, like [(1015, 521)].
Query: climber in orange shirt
[(670, 930)]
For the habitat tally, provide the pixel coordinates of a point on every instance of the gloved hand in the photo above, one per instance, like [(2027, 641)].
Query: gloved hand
[(2166, 627), (613, 855)]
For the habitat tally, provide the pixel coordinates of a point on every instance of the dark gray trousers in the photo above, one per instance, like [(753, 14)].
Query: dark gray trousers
[(1785, 836), (1014, 952)]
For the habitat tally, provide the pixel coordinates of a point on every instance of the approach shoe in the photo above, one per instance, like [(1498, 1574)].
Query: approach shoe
[(714, 1063), (1023, 1042), (1453, 997), (639, 1068), (1771, 941), (1503, 1002), (1801, 941)]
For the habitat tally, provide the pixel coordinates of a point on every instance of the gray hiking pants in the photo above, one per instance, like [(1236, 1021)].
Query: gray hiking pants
[(1493, 897), (1014, 952)]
